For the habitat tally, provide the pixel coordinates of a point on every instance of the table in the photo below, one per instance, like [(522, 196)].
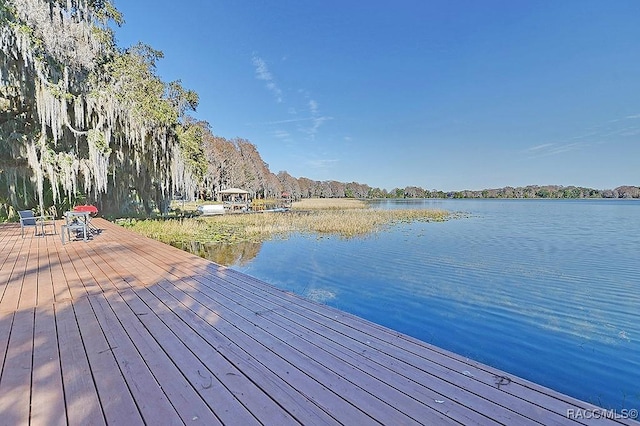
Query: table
[(92, 211), (86, 208)]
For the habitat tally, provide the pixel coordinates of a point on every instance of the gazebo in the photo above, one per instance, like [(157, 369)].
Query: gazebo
[(234, 198)]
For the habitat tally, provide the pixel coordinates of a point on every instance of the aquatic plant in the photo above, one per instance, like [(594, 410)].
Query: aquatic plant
[(261, 226)]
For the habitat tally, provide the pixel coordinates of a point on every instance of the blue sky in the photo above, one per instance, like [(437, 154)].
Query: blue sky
[(442, 94)]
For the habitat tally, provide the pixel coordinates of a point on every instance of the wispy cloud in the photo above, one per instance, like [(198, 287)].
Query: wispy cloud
[(286, 121), (316, 119), (631, 131), (316, 123), (549, 149), (263, 73), (308, 125), (538, 148), (613, 131), (305, 115), (322, 163), (281, 134), (313, 107), (565, 148)]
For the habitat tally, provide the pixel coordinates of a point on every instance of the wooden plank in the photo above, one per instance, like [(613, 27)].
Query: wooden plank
[(196, 372), (260, 370), (76, 289), (79, 276), (236, 383), (7, 232), (6, 322), (81, 396), (153, 404), (84, 273), (44, 293), (15, 381), (13, 286), (101, 270), (263, 353), (61, 290), (180, 393), (231, 374), (6, 272), (8, 242), (117, 402), (29, 291), (47, 401)]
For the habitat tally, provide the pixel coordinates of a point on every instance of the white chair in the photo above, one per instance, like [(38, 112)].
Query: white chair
[(74, 222)]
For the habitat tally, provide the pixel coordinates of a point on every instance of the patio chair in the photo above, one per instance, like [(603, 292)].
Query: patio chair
[(27, 219), (74, 222)]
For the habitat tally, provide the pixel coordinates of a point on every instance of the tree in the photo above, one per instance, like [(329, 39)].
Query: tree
[(83, 117), (290, 185)]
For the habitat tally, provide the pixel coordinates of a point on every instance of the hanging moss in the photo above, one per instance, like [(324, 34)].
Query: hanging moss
[(84, 115)]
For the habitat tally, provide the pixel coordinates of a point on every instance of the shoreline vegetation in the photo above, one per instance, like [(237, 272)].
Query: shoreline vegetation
[(342, 217)]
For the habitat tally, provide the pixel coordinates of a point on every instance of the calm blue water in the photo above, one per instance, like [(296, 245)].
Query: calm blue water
[(548, 290)]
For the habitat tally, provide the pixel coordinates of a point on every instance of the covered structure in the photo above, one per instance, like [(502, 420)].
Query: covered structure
[(234, 198)]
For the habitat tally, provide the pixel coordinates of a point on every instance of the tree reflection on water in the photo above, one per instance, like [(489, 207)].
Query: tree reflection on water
[(239, 253)]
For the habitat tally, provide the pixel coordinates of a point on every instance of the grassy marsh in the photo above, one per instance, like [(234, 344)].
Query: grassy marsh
[(329, 204), (346, 218)]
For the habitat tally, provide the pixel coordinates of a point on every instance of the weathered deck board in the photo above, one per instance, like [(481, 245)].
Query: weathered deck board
[(118, 404), (152, 403), (316, 361), (195, 371), (15, 277), (60, 286), (83, 404), (15, 384), (47, 376), (126, 330)]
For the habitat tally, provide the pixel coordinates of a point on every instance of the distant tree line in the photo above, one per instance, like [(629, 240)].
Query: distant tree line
[(549, 191), (227, 163)]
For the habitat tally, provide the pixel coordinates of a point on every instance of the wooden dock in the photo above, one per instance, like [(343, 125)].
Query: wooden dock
[(124, 330)]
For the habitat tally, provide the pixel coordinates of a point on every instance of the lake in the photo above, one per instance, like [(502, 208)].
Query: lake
[(548, 290)]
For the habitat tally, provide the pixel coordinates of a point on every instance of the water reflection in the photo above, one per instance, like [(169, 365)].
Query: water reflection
[(543, 289), (239, 253)]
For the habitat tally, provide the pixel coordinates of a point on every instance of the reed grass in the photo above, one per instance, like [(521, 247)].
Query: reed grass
[(230, 228), (328, 204)]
